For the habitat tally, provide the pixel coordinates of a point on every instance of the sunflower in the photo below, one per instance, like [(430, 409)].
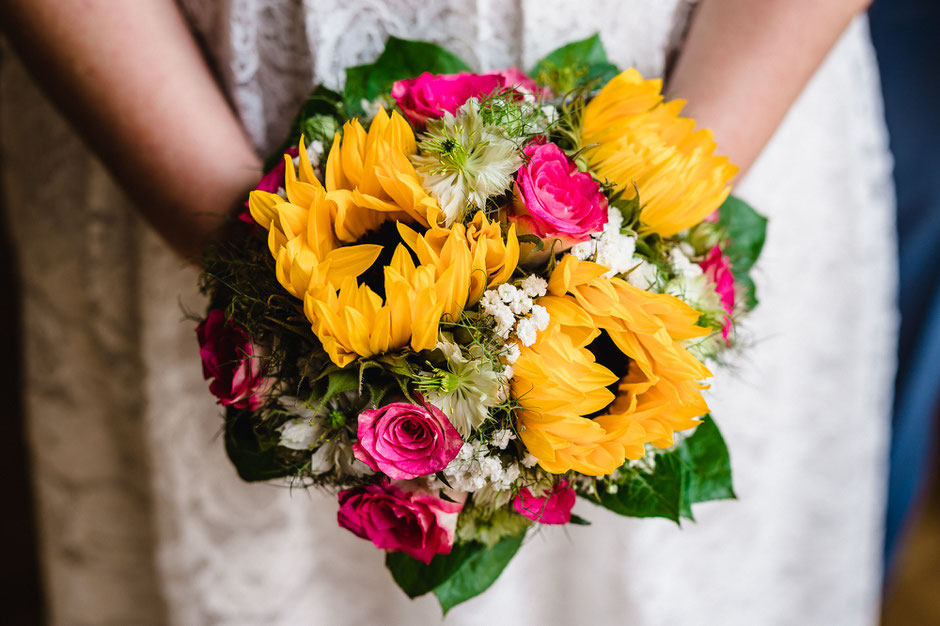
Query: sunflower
[(494, 257), (372, 180), (558, 381), (301, 237), (354, 321), (634, 138), (369, 180)]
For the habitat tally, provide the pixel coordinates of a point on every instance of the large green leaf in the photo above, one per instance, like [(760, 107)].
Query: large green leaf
[(657, 493), (416, 579), (747, 230), (574, 65), (705, 457), (253, 458), (400, 59), (466, 572), (477, 573)]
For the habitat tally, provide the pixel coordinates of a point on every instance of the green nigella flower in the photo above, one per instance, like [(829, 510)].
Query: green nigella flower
[(466, 390), (462, 162)]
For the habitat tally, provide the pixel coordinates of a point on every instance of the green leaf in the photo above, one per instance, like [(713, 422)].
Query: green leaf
[(253, 460), (466, 572), (642, 493), (400, 59), (416, 579), (477, 573), (535, 240), (578, 520), (574, 65), (705, 457), (746, 232), (337, 382)]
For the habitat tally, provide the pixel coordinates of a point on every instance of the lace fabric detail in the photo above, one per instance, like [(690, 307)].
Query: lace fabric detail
[(805, 411)]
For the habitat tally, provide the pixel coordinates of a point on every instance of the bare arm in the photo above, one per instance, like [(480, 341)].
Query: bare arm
[(746, 61), (131, 79)]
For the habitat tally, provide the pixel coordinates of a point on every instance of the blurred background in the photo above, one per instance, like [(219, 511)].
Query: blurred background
[(905, 33)]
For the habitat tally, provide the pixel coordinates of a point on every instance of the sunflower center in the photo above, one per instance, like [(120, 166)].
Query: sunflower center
[(607, 353), (388, 237)]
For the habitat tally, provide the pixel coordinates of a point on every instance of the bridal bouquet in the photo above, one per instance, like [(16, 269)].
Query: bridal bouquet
[(460, 301)]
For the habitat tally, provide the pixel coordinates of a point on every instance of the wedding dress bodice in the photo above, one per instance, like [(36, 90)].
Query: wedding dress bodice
[(270, 52)]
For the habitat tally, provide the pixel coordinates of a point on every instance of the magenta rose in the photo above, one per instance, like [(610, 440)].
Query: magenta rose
[(429, 96), (416, 523), (718, 268), (554, 199), (404, 440), (229, 360), (552, 508), (270, 182)]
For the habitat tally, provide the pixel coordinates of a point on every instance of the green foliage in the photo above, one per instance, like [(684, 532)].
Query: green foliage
[(705, 457), (251, 448), (746, 231), (466, 572), (649, 493), (575, 64), (696, 470), (401, 59)]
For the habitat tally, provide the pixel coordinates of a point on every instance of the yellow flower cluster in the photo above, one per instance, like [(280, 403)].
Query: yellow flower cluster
[(636, 139), (369, 181), (558, 382)]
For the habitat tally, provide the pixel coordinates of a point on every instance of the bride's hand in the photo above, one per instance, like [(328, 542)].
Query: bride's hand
[(131, 79), (744, 62)]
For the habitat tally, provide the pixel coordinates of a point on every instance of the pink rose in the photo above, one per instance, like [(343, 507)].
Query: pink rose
[(404, 440), (271, 182), (552, 508), (718, 269), (430, 95), (416, 523), (554, 199), (229, 359)]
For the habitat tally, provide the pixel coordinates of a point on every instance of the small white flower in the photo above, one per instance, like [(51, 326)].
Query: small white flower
[(526, 332), (521, 305), (337, 453), (682, 265), (490, 466), (510, 475), (534, 286), (509, 371), (493, 306), (504, 321), (501, 438), (529, 460), (584, 250), (299, 434), (511, 353), (539, 317), (507, 292), (644, 274)]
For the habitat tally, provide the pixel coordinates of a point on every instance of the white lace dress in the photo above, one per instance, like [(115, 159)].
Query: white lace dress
[(143, 520)]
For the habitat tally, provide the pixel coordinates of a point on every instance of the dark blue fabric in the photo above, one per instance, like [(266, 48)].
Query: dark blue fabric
[(906, 34)]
